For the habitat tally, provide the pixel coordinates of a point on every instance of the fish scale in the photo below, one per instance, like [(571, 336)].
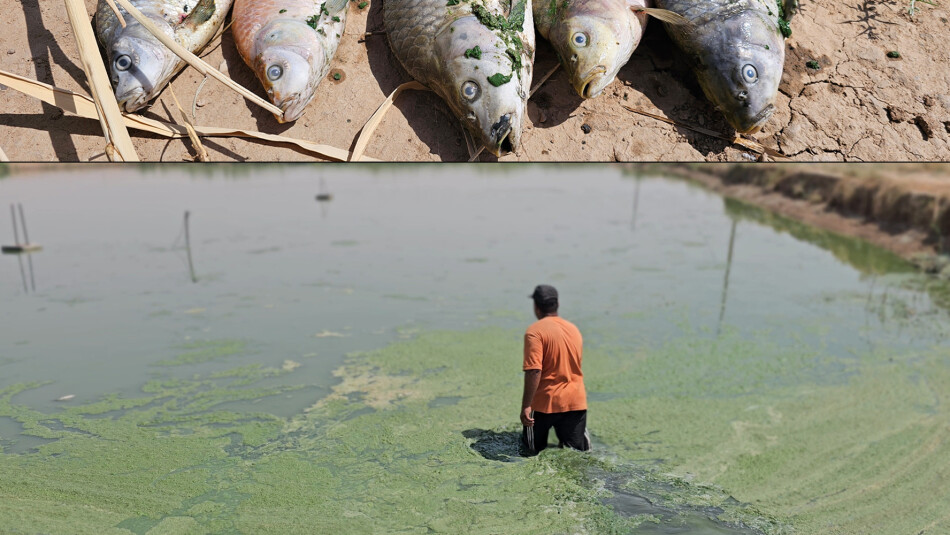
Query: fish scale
[(408, 31)]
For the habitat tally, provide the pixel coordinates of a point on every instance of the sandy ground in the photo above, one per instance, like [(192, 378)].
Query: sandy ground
[(860, 104)]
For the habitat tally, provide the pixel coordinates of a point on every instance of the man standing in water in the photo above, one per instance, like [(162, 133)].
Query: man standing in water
[(554, 394)]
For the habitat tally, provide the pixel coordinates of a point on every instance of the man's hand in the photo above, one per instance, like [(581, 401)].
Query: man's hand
[(531, 380), (526, 418)]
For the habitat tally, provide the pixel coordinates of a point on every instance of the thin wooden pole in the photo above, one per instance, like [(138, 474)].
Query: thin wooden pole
[(16, 233), (725, 282), (26, 289), (118, 143), (29, 261), (191, 267), (26, 237)]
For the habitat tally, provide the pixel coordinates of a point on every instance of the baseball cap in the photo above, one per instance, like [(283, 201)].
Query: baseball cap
[(543, 293)]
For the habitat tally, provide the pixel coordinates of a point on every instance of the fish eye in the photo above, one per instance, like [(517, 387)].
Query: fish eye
[(470, 90), (274, 72), (123, 62), (579, 39), (749, 74)]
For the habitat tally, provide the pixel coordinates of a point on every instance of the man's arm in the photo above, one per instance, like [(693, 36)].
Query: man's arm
[(531, 380)]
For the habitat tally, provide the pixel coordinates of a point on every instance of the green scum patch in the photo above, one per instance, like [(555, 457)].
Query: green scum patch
[(756, 436)]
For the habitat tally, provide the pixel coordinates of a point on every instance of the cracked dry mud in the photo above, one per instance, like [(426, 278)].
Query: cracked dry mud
[(859, 105)]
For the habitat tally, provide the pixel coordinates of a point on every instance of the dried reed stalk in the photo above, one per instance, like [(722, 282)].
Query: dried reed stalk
[(118, 143), (83, 106), (118, 14), (366, 132), (199, 148), (199, 64), (737, 139), (544, 79)]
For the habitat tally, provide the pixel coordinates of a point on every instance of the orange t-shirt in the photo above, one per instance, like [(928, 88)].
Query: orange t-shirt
[(554, 346)]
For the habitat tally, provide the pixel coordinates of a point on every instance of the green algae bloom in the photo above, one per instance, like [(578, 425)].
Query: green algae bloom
[(422, 436)]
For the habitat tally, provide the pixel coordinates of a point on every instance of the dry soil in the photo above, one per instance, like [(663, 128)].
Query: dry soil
[(859, 105)]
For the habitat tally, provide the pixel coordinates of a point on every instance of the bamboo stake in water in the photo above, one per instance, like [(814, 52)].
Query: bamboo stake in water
[(193, 60), (725, 282), (118, 142), (16, 233), (191, 267), (26, 237)]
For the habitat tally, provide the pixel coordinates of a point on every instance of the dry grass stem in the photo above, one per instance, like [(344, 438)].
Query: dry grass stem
[(118, 14), (192, 135), (196, 62), (366, 133), (83, 106), (544, 79), (737, 139)]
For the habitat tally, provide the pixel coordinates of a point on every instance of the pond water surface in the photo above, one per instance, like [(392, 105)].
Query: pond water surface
[(354, 364)]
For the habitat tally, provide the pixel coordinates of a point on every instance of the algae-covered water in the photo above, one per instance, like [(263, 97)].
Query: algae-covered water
[(353, 366)]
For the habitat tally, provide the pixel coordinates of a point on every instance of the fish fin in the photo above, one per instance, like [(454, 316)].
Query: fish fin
[(665, 15), (200, 13), (335, 6)]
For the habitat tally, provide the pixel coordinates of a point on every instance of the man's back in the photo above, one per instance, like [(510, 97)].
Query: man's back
[(555, 346)]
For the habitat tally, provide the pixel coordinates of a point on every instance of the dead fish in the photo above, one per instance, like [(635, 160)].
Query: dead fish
[(595, 38), (477, 55), (737, 51), (289, 45), (139, 65), (67, 397)]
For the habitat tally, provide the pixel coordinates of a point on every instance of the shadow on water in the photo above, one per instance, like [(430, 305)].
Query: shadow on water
[(663, 518), (502, 446), (668, 519), (861, 255)]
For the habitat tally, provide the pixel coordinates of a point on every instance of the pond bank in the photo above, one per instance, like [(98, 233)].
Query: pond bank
[(904, 209)]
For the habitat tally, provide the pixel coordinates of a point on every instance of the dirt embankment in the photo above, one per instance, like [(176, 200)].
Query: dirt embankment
[(856, 102), (905, 209)]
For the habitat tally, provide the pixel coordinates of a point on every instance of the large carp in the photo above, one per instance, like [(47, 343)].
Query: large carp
[(737, 50), (475, 54), (595, 38), (139, 64), (289, 45)]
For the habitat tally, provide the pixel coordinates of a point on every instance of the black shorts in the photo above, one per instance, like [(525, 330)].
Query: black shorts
[(570, 428)]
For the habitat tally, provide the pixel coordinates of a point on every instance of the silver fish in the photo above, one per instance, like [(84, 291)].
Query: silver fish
[(475, 54), (737, 51), (139, 65), (289, 44), (594, 38)]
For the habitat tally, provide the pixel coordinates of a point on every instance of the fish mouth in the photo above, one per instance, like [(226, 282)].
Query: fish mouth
[(500, 136), (587, 87), (293, 108), (758, 121), (132, 100)]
